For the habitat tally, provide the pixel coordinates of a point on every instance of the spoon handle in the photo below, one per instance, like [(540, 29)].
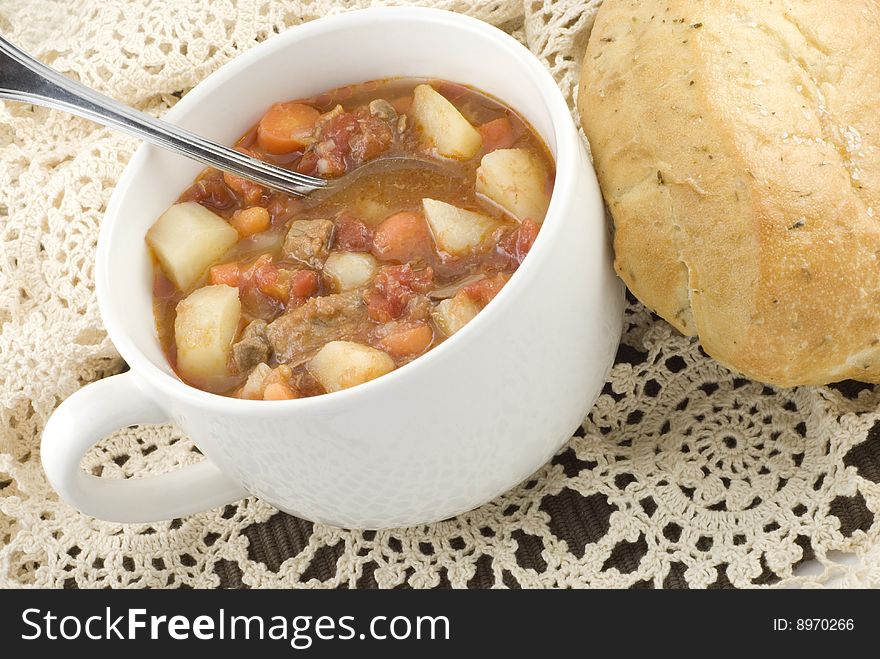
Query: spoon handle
[(23, 78)]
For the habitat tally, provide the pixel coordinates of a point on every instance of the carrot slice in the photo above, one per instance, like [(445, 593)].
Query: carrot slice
[(286, 127)]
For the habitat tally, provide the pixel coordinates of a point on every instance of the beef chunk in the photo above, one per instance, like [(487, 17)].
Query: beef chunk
[(252, 348), (301, 332), (308, 241)]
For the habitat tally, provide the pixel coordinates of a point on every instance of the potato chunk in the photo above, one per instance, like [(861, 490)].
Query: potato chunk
[(452, 314), (187, 238), (457, 231), (514, 180), (349, 270), (206, 324), (443, 126), (343, 364)]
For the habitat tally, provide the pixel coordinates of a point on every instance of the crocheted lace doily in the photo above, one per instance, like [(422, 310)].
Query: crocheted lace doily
[(684, 475)]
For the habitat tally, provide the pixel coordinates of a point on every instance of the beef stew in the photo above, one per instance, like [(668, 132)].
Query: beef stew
[(261, 295)]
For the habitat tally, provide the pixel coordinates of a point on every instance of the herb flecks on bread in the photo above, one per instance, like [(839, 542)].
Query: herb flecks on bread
[(738, 148)]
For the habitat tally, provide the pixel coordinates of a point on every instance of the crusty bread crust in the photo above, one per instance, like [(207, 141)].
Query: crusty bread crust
[(737, 144)]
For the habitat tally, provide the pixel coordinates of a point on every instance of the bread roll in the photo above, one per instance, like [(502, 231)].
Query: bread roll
[(736, 143)]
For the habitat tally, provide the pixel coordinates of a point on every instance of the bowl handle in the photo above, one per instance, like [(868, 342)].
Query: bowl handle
[(92, 413)]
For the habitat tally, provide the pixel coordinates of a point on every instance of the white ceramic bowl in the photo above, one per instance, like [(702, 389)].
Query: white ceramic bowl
[(439, 436)]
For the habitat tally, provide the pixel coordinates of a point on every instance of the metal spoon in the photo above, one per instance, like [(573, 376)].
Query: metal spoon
[(23, 78)]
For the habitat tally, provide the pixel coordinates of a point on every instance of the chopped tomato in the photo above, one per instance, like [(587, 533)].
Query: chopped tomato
[(374, 137), (517, 243), (394, 287), (403, 237), (303, 283), (227, 273), (286, 127), (380, 308), (348, 139), (333, 143), (352, 235), (484, 290), (249, 221), (407, 340), (497, 134), (404, 276)]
